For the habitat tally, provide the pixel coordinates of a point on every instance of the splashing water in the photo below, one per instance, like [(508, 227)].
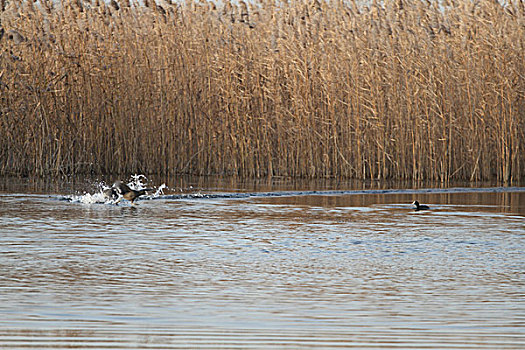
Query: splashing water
[(136, 182), (160, 190), (88, 198)]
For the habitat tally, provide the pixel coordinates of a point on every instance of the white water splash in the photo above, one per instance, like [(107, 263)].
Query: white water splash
[(136, 182), (88, 198), (139, 182), (160, 190)]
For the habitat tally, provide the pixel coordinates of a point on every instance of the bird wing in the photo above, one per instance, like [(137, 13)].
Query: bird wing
[(122, 187)]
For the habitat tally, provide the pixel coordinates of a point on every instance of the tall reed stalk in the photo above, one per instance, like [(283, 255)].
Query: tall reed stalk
[(392, 90)]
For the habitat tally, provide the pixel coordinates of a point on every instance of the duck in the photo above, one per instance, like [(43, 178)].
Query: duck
[(120, 190), (420, 206)]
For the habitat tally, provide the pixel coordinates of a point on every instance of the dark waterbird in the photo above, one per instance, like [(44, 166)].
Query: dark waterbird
[(420, 207), (120, 190)]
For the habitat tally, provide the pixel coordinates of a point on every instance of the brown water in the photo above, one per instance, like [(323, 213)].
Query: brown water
[(270, 269)]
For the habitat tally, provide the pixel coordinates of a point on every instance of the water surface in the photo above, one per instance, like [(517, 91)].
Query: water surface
[(263, 267)]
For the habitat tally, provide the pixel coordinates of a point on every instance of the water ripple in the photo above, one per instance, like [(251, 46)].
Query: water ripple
[(326, 271)]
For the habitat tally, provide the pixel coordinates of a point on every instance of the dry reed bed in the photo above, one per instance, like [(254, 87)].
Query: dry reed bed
[(406, 90)]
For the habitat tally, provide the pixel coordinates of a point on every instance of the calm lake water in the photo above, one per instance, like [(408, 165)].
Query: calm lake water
[(226, 264)]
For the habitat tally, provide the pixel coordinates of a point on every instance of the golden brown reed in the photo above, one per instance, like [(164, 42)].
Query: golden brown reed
[(402, 90)]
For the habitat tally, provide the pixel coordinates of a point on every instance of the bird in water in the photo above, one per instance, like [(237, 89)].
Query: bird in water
[(420, 206), (120, 190)]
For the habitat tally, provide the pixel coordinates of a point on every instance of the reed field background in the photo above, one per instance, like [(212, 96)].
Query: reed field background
[(405, 89)]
